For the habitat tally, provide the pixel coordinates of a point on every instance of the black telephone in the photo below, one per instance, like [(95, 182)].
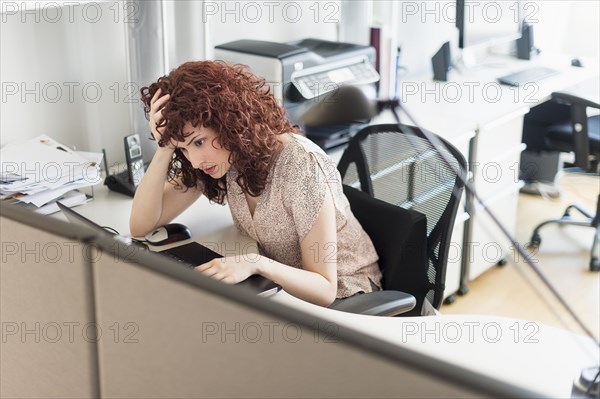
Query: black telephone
[(135, 163), (127, 181)]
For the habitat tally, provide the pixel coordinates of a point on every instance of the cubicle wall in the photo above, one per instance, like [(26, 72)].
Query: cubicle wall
[(46, 311), (160, 330)]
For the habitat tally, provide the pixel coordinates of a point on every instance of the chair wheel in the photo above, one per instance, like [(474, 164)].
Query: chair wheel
[(463, 290), (595, 265), (450, 300), (502, 262), (535, 241)]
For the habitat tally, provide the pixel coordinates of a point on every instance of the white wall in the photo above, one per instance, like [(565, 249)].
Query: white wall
[(63, 74), (185, 32), (567, 27), (422, 29)]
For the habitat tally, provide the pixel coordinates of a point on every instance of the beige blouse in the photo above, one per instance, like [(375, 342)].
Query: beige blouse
[(288, 207)]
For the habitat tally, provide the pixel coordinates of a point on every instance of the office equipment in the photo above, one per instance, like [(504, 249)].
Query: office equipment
[(189, 255), (399, 236), (168, 234), (134, 158), (529, 75), (301, 71), (126, 181), (579, 134), (396, 164), (441, 63), (525, 44), (487, 23)]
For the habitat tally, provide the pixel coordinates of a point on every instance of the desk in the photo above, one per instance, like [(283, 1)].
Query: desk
[(538, 357), (484, 120)]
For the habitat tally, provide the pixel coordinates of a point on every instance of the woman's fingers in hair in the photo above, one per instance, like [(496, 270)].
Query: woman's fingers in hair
[(158, 102), (156, 106)]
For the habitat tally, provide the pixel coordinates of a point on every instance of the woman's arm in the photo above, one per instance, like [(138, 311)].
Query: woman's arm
[(157, 201), (316, 282)]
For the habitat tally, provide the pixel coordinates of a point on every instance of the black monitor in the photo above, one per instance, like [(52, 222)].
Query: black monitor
[(484, 23)]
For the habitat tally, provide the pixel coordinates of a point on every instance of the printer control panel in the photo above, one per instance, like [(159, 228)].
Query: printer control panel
[(316, 81)]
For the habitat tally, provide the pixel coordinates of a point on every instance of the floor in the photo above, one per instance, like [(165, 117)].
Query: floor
[(515, 291)]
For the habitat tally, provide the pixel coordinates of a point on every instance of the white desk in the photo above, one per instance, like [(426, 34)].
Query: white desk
[(484, 120), (541, 358)]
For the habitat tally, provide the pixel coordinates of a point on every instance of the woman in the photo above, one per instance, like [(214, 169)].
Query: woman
[(222, 134)]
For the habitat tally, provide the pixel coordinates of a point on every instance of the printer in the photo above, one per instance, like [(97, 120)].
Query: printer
[(300, 72)]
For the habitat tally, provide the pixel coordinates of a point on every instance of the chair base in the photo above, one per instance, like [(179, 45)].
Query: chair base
[(543, 189), (588, 220)]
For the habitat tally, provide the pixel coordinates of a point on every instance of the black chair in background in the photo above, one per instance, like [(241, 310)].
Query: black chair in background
[(400, 167), (579, 134), (540, 163)]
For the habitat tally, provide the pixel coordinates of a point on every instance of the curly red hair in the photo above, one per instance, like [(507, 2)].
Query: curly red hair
[(238, 106)]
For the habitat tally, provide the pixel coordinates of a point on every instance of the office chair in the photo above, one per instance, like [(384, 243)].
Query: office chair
[(400, 167), (581, 135), (399, 237)]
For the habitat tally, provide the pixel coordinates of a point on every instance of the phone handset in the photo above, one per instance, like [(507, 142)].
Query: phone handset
[(127, 181), (135, 161)]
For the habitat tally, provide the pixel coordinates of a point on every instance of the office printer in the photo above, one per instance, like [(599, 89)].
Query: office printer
[(301, 71)]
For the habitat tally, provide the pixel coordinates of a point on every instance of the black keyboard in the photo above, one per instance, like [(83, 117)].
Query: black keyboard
[(193, 254), (527, 76), (176, 258)]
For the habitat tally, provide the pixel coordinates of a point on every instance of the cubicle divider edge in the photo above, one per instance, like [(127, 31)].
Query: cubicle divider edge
[(322, 363)]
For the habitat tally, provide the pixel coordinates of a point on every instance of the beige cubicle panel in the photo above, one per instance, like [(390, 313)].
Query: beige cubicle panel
[(166, 331), (48, 345), (186, 343), (190, 336)]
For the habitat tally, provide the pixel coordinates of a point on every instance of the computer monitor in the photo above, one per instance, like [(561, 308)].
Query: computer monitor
[(483, 23)]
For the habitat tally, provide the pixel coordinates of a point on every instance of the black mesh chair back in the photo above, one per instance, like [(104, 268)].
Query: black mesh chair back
[(400, 166)]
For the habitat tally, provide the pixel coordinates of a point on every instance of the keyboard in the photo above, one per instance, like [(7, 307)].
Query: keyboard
[(527, 76), (193, 254), (177, 258)]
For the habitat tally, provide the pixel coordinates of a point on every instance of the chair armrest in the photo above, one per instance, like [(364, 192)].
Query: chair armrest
[(578, 96), (379, 303)]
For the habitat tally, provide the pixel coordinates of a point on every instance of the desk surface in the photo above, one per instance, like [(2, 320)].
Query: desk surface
[(541, 358), (472, 98)]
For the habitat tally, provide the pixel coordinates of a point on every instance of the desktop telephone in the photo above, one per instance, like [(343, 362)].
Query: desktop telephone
[(127, 181)]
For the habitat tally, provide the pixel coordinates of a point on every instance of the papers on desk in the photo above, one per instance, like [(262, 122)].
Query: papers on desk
[(41, 170)]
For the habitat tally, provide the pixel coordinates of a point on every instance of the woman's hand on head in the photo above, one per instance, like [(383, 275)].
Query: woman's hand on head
[(230, 270), (157, 104)]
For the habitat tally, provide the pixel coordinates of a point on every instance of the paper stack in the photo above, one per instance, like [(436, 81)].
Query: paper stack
[(41, 170)]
